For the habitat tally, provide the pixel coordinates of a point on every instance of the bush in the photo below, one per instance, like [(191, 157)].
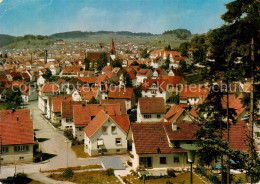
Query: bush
[(68, 173), (21, 178), (110, 172), (68, 134), (213, 179), (129, 163), (171, 172), (134, 173)]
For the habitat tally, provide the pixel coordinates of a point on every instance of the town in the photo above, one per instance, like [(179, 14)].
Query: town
[(129, 112)]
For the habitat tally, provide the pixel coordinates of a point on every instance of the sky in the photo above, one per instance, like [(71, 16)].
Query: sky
[(45, 17)]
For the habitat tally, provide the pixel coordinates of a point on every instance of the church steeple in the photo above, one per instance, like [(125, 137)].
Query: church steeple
[(112, 48)]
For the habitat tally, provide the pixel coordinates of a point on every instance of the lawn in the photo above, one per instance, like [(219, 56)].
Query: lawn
[(75, 168), (90, 177), (182, 178), (79, 151)]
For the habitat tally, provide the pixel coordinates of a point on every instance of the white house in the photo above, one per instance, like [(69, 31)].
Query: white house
[(150, 109), (143, 74), (155, 88), (106, 134), (156, 146)]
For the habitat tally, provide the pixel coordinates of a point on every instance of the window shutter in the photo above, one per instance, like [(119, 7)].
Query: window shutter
[(15, 148), (27, 148), (6, 149)]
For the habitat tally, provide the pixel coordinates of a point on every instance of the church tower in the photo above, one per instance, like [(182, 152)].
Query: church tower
[(112, 48)]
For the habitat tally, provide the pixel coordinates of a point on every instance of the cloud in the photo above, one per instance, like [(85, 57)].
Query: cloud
[(1, 1)]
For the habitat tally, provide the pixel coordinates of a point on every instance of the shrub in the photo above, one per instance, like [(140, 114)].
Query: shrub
[(213, 179), (171, 172), (68, 173), (168, 182), (68, 134), (110, 172), (21, 178), (134, 173)]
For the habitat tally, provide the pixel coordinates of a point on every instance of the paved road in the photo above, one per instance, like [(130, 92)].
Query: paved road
[(55, 144)]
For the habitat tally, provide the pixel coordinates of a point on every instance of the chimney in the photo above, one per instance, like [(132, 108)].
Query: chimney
[(13, 110), (17, 118), (45, 56), (174, 125)]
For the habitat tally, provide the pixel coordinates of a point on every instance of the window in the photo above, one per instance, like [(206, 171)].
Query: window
[(176, 159), (104, 129), (68, 120), (113, 129), (80, 128), (147, 116), (21, 158), (21, 148), (153, 92), (158, 116), (118, 141), (162, 160), (118, 150), (4, 149)]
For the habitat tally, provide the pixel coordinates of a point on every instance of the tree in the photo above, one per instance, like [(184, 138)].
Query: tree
[(184, 49), (102, 61), (14, 99), (168, 48), (87, 64), (117, 63), (166, 66), (145, 53), (47, 75), (6, 56), (135, 63), (93, 101), (138, 92), (127, 80)]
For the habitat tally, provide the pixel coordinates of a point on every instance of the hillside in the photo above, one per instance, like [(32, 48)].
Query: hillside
[(6, 39), (80, 34), (28, 41)]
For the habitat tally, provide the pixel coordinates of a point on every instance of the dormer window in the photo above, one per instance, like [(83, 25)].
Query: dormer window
[(161, 139)]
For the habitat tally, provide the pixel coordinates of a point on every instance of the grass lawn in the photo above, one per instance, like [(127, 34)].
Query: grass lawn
[(182, 178), (75, 168), (79, 151), (241, 176), (90, 177)]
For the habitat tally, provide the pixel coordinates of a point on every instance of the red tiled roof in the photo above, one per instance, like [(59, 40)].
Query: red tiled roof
[(143, 72), (82, 114), (71, 70), (149, 138), (174, 113), (172, 80), (116, 101), (122, 121), (96, 123), (16, 127), (161, 84), (151, 105), (67, 108), (185, 130), (193, 91), (87, 93), (116, 92), (238, 136), (88, 80), (49, 88), (106, 68)]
